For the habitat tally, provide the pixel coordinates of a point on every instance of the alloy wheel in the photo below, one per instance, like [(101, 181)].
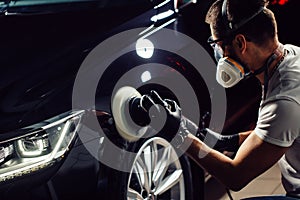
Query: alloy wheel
[(156, 173)]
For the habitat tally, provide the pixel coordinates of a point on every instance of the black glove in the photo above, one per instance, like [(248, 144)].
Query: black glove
[(219, 142), (176, 126), (170, 116), (212, 139)]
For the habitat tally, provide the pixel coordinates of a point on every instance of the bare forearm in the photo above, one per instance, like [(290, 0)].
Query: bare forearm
[(243, 136), (214, 162)]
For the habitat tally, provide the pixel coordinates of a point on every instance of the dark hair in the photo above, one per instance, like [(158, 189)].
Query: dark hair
[(259, 29)]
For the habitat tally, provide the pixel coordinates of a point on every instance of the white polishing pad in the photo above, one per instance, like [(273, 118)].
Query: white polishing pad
[(124, 124)]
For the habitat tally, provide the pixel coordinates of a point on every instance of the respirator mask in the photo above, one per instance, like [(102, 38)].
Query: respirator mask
[(229, 70)]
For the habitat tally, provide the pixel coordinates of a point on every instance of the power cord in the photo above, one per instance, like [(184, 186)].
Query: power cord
[(229, 194)]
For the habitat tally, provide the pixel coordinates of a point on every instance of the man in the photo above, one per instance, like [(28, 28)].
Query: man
[(245, 42)]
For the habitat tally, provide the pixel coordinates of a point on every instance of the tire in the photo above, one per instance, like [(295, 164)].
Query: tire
[(161, 179)]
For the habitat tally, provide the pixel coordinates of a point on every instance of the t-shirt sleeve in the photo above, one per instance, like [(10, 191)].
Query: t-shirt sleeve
[(279, 122)]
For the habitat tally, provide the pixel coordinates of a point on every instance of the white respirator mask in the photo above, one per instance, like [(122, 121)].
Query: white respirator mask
[(229, 72)]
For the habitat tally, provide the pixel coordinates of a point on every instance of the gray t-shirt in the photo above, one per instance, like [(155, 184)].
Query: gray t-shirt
[(279, 117)]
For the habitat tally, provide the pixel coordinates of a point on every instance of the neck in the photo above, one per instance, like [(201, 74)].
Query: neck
[(271, 60)]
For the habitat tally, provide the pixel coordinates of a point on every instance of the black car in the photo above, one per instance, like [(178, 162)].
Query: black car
[(62, 62)]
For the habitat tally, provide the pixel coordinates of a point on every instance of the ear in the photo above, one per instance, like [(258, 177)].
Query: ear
[(240, 42)]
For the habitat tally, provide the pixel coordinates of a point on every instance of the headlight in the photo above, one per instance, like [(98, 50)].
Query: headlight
[(43, 146)]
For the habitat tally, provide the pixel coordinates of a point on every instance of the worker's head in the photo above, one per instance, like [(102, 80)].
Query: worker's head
[(238, 29)]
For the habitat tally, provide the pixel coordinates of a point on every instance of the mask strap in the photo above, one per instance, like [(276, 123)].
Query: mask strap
[(232, 27), (265, 68), (261, 69), (266, 75), (266, 83)]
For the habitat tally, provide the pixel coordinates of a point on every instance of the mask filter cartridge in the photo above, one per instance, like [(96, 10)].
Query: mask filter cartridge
[(229, 72)]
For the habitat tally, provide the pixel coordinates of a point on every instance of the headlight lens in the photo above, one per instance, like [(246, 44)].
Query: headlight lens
[(40, 148)]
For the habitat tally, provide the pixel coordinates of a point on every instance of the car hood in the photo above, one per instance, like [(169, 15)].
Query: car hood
[(40, 57)]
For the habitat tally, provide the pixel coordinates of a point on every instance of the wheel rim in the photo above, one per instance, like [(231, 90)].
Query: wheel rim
[(156, 173)]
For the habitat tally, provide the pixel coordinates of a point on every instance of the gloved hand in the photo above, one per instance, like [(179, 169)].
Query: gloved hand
[(219, 142), (170, 116), (176, 126), (212, 139)]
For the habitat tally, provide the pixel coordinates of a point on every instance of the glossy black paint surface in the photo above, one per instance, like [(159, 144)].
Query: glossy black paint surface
[(41, 53), (40, 56)]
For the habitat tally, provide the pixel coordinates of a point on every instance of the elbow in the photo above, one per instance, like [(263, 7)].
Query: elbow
[(236, 185)]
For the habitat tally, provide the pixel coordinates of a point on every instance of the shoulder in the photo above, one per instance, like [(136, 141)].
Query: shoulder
[(292, 48), (285, 82), (278, 122)]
